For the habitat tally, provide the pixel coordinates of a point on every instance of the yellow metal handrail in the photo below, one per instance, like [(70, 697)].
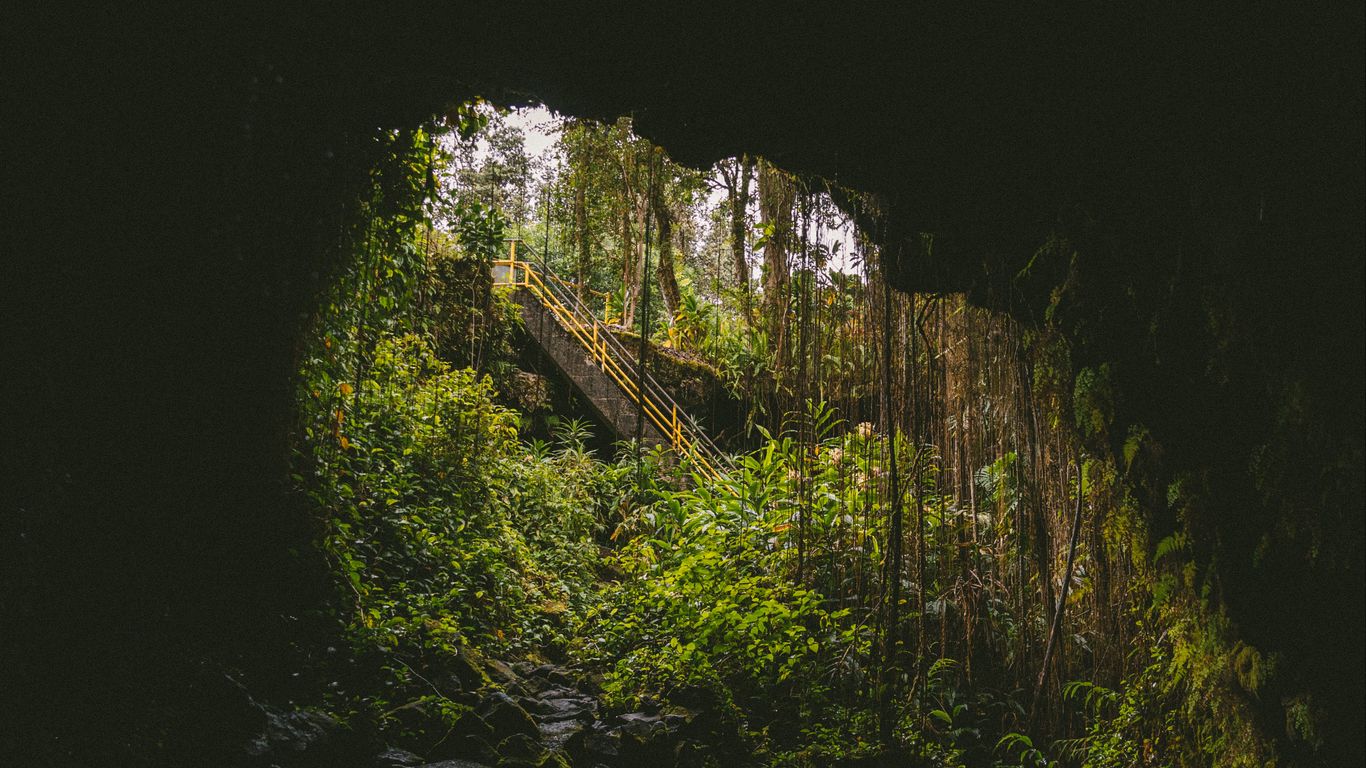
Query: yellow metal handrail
[(593, 336), (604, 295)]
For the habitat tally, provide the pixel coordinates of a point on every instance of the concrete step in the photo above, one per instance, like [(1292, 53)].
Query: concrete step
[(612, 405)]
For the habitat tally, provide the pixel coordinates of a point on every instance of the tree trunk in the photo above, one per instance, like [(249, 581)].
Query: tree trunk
[(1055, 625), (891, 638), (739, 184), (635, 279), (581, 235), (629, 294), (667, 274), (777, 193)]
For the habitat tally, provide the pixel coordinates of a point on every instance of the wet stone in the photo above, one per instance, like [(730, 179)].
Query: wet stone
[(557, 734), (640, 724), (394, 757), (561, 708), (502, 672), (505, 716), (593, 745), (554, 674), (521, 747)]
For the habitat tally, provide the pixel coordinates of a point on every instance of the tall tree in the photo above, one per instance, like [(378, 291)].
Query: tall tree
[(777, 195), (666, 271), (633, 208), (738, 174), (634, 213), (579, 161), (495, 168)]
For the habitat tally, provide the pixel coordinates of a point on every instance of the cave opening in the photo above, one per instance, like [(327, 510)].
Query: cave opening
[(1176, 193)]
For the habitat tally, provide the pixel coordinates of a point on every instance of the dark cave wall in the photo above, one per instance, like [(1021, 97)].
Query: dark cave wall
[(178, 187)]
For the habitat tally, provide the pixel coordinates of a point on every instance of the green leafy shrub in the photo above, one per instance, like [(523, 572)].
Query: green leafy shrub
[(424, 550), (447, 534), (708, 596)]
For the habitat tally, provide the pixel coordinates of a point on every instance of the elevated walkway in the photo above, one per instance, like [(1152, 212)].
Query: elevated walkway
[(600, 367)]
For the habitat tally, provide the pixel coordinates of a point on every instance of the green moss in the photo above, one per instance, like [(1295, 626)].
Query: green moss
[(1251, 669), (1300, 723), (1093, 401), (689, 380)]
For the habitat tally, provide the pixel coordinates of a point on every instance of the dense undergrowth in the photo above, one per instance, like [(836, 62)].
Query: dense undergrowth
[(449, 535), (764, 596)]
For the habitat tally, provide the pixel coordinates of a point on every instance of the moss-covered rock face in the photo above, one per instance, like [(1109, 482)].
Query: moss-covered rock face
[(1219, 360), (695, 386), (1178, 188)]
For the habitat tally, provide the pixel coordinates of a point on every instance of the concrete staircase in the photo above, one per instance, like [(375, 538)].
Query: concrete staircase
[(601, 368), (612, 406)]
